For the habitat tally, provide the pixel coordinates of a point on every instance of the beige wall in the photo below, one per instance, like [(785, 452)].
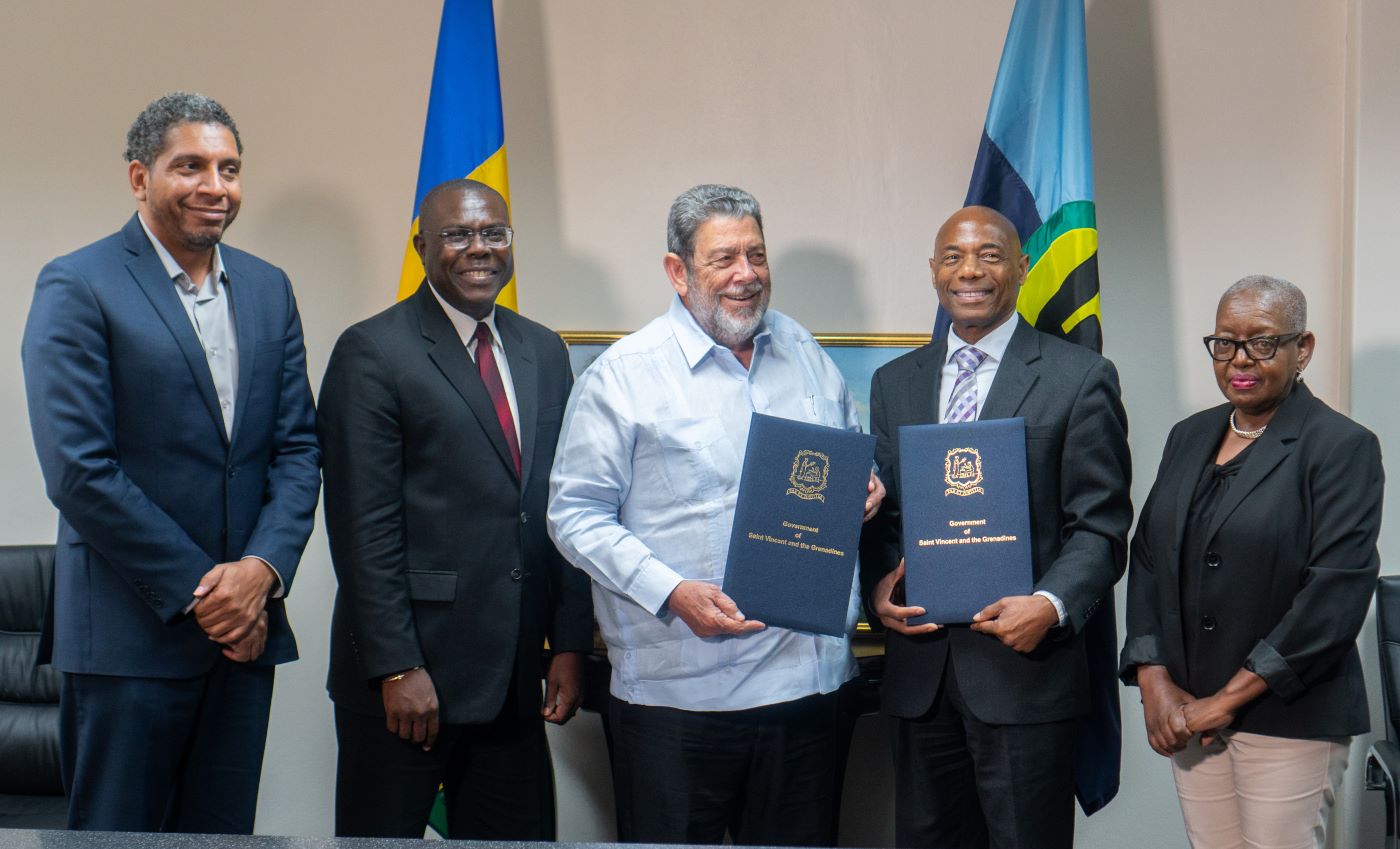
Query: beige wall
[(1254, 135)]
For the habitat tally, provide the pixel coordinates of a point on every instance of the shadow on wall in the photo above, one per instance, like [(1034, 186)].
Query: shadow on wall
[(810, 280), (1139, 317), (1140, 337), (316, 239), (582, 298)]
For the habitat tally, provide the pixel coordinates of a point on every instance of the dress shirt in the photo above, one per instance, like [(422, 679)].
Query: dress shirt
[(994, 346), (465, 326), (642, 496), (210, 310)]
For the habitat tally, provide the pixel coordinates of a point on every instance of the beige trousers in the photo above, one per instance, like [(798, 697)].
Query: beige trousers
[(1256, 791)]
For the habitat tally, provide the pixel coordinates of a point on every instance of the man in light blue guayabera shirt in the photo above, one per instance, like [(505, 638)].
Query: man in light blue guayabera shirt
[(717, 722)]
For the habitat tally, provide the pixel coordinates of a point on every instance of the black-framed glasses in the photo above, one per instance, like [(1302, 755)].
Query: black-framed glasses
[(492, 237), (1258, 348)]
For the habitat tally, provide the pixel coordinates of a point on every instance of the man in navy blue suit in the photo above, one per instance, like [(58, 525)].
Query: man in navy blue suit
[(174, 425)]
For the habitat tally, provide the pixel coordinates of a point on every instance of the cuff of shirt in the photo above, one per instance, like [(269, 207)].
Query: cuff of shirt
[(1267, 663), (277, 592), (281, 588), (1053, 599), (653, 586)]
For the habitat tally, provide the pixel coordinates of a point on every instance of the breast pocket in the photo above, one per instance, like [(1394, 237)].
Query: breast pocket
[(827, 412), (689, 449)]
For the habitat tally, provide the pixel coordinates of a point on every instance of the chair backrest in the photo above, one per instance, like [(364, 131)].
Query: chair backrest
[(1388, 636), (28, 694)]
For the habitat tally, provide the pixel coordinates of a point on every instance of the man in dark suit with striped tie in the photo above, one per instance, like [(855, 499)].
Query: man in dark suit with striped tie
[(439, 418), (981, 717)]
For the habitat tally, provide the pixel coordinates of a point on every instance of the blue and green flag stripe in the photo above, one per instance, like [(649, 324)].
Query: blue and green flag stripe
[(465, 132)]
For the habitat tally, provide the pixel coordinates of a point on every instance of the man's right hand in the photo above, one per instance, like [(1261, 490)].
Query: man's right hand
[(896, 616), (708, 611), (1162, 701), (411, 708)]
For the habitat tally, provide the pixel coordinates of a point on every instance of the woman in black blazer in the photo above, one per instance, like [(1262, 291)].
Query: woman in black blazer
[(1251, 572)]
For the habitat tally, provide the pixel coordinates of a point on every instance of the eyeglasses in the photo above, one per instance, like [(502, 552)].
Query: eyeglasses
[(492, 237), (1258, 348)]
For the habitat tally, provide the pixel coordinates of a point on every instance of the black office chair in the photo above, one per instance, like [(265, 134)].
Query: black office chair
[(1383, 758), (31, 785)]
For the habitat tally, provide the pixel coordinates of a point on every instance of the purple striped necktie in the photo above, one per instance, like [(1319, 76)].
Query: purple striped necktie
[(491, 376), (962, 404)]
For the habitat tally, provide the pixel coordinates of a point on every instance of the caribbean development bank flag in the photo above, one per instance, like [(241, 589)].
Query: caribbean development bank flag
[(465, 135), (1035, 165)]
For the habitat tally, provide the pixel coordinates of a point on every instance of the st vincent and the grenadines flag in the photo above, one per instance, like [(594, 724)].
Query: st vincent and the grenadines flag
[(1035, 166), (465, 134)]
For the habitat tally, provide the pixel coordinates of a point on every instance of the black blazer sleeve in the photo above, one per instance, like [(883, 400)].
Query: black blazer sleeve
[(359, 418), (1345, 486)]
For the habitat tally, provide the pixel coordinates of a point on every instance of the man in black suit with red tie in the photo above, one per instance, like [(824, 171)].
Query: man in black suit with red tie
[(981, 717), (439, 418)]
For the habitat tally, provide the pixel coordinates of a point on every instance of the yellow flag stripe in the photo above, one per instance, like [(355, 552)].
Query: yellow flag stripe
[(1065, 254), (1090, 308), (493, 173)]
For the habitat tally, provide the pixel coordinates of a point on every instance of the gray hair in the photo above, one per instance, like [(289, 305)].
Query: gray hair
[(146, 138), (1274, 293), (697, 205)]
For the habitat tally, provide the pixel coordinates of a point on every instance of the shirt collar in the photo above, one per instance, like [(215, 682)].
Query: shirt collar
[(465, 324), (993, 344), (177, 274), (694, 341)]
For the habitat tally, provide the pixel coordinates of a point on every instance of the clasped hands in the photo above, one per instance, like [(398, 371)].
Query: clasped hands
[(1019, 621), (1173, 715), (230, 605)]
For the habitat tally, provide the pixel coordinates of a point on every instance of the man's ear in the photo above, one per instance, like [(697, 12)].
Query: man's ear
[(676, 273), (420, 245), (138, 175)]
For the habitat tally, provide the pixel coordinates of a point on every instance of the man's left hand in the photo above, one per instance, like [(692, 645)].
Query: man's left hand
[(563, 690), (229, 598), (877, 494), (1019, 621)]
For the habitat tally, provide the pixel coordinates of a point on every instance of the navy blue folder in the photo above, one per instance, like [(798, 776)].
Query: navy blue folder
[(967, 525), (792, 553)]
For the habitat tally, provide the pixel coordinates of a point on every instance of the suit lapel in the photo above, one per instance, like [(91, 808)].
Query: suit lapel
[(241, 300), (1014, 377), (923, 391), (524, 375), (146, 269), (447, 352), (1268, 451)]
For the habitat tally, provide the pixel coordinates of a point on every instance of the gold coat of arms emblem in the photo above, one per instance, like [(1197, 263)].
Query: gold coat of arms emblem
[(809, 472), (962, 471)]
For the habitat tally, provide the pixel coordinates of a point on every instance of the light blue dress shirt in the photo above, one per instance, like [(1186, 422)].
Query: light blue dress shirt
[(642, 496)]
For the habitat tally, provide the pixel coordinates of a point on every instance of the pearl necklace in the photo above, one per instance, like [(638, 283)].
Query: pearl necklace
[(1245, 434)]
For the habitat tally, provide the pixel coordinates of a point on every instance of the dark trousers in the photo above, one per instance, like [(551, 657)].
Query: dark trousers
[(963, 784), (765, 775), (165, 754), (497, 780)]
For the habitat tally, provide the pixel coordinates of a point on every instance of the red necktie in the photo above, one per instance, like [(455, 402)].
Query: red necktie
[(491, 376)]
